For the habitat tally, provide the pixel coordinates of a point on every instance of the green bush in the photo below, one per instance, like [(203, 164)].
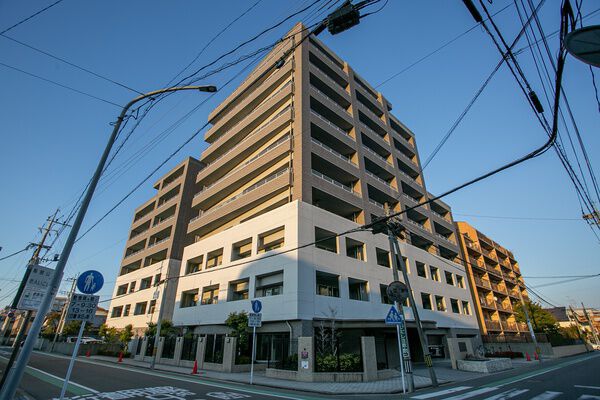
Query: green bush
[(112, 353), (326, 363), (243, 360), (350, 362)]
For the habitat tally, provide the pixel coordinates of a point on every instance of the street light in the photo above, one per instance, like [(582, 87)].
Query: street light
[(16, 373)]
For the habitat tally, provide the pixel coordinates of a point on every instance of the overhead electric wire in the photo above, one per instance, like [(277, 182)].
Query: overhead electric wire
[(30, 17), (517, 218), (15, 253)]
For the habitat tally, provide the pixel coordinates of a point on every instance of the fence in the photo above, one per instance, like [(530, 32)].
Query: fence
[(189, 347), (523, 338), (168, 350), (138, 347), (243, 351), (150, 346), (214, 349), (283, 353)]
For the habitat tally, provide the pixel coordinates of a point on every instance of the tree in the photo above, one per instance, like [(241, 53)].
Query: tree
[(125, 335), (50, 325), (71, 328), (238, 323), (166, 329), (108, 333), (541, 320)]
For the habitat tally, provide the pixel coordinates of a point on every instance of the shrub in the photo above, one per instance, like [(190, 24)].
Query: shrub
[(326, 363), (350, 362), (243, 360)]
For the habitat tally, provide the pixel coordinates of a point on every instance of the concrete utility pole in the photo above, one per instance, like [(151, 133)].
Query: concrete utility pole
[(34, 260), (63, 313), (158, 323), (526, 312), (591, 322), (16, 373)]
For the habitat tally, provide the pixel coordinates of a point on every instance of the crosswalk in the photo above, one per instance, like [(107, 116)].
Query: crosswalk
[(499, 393)]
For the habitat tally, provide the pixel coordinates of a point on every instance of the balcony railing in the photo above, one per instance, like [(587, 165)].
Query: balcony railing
[(138, 233), (488, 253), (409, 177), (411, 199), (407, 158), (328, 122), (440, 215), (444, 238), (158, 242), (493, 325), (244, 192), (332, 151), (487, 303), (372, 175), (369, 111), (475, 263), (134, 253), (332, 101), (164, 220), (483, 283), (499, 289), (376, 154), (493, 271), (417, 224), (509, 326), (364, 126), (502, 307), (514, 293), (327, 60), (375, 202), (333, 181), (167, 201)]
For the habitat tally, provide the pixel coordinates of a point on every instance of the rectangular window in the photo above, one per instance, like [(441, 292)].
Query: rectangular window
[(449, 278), (116, 312), (383, 257), (189, 298), (146, 283), (328, 284), (152, 307), (466, 308), (121, 290), (132, 287), (325, 240), (426, 300), (269, 285), (421, 269), (384, 297), (241, 249), (406, 264), (194, 265), (140, 308), (355, 249), (435, 273), (238, 290), (214, 258), (126, 310), (358, 289), (210, 295), (440, 303), (455, 306), (156, 279), (460, 281), (271, 240)]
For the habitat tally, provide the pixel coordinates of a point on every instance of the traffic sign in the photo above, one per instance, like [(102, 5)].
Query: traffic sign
[(255, 320), (256, 306), (393, 317), (38, 280), (82, 307), (90, 282), (397, 291)]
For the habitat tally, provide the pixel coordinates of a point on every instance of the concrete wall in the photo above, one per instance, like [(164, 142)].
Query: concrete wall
[(545, 348), (67, 348), (565, 351)]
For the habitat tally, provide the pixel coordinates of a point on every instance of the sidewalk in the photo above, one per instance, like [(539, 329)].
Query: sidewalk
[(444, 373)]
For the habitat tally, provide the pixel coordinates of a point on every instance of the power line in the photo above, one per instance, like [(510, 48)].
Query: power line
[(15, 253), (30, 17), (517, 218), (61, 85), (561, 276)]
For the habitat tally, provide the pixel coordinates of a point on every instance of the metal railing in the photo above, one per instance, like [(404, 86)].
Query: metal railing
[(328, 60), (158, 242), (376, 154), (417, 224), (493, 325), (334, 126), (138, 233), (167, 201), (134, 253), (335, 103), (164, 220), (373, 114), (333, 181), (366, 127), (332, 151), (483, 283), (372, 175), (445, 238), (376, 203)]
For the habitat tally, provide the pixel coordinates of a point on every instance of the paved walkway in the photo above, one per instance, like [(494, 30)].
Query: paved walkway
[(444, 373)]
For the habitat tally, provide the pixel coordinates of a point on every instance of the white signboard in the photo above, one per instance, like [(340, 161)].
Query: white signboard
[(83, 307), (37, 283), (254, 320)]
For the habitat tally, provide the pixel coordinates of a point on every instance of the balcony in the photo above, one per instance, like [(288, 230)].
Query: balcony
[(130, 255), (158, 242), (347, 188), (378, 138), (494, 271), (487, 303), (510, 326), (502, 307), (499, 289), (418, 225), (476, 263), (162, 221), (329, 123), (514, 294), (331, 101), (482, 283), (341, 156), (444, 238), (398, 128), (328, 86), (381, 180), (328, 58), (377, 204), (493, 325)]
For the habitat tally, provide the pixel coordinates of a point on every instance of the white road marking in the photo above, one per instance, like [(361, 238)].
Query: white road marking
[(508, 394), (441, 392), (59, 378), (546, 396), (587, 387), (472, 393), (588, 397)]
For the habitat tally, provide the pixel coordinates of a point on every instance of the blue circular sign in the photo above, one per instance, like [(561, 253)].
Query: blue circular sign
[(256, 306), (90, 282)]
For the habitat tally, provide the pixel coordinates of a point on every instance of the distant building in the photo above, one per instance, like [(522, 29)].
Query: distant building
[(561, 316)]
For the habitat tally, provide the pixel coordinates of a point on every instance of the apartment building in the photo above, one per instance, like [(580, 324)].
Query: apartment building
[(495, 280), (295, 154), (153, 250)]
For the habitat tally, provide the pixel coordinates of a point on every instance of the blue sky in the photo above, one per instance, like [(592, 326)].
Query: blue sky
[(53, 137)]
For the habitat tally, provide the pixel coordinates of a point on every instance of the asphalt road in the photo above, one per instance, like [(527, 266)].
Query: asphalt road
[(570, 378)]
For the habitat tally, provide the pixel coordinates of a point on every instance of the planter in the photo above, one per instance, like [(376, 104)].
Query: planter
[(484, 366)]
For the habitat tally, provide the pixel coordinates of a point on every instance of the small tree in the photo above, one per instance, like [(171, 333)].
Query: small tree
[(108, 333), (50, 325), (71, 328), (542, 320), (166, 329), (125, 335), (238, 323)]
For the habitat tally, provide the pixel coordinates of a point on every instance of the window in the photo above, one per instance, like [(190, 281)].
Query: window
[(189, 298), (383, 257), (460, 281), (241, 249), (449, 278), (121, 290), (116, 312), (406, 264), (269, 285), (132, 287), (325, 240), (238, 290), (355, 249), (214, 258), (146, 283), (271, 240), (435, 273), (384, 297), (152, 307), (455, 306), (140, 308), (210, 295), (126, 311), (440, 303), (466, 308), (194, 265), (156, 279), (328, 284), (358, 289), (421, 269), (426, 300)]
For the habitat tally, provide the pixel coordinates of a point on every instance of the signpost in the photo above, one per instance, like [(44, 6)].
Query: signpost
[(254, 321), (82, 308), (38, 280), (398, 292)]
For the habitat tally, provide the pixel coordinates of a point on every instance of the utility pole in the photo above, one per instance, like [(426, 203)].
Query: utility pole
[(16, 373), (63, 313), (526, 312), (34, 260), (159, 322), (591, 322)]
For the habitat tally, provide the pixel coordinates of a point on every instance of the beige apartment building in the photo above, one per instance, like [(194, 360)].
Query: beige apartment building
[(297, 153), (495, 280)]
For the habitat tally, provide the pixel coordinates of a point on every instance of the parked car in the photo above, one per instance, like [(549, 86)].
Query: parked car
[(84, 340)]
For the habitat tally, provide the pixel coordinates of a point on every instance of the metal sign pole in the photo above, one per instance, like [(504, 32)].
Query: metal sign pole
[(400, 351), (253, 354), (75, 350)]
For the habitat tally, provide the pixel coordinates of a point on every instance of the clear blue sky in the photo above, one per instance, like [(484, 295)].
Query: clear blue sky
[(53, 137)]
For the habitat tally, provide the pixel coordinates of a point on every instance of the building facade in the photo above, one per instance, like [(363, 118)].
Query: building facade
[(153, 251), (495, 280)]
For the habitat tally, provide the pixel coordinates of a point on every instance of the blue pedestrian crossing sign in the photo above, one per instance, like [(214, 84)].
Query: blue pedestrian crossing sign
[(90, 282), (393, 317)]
